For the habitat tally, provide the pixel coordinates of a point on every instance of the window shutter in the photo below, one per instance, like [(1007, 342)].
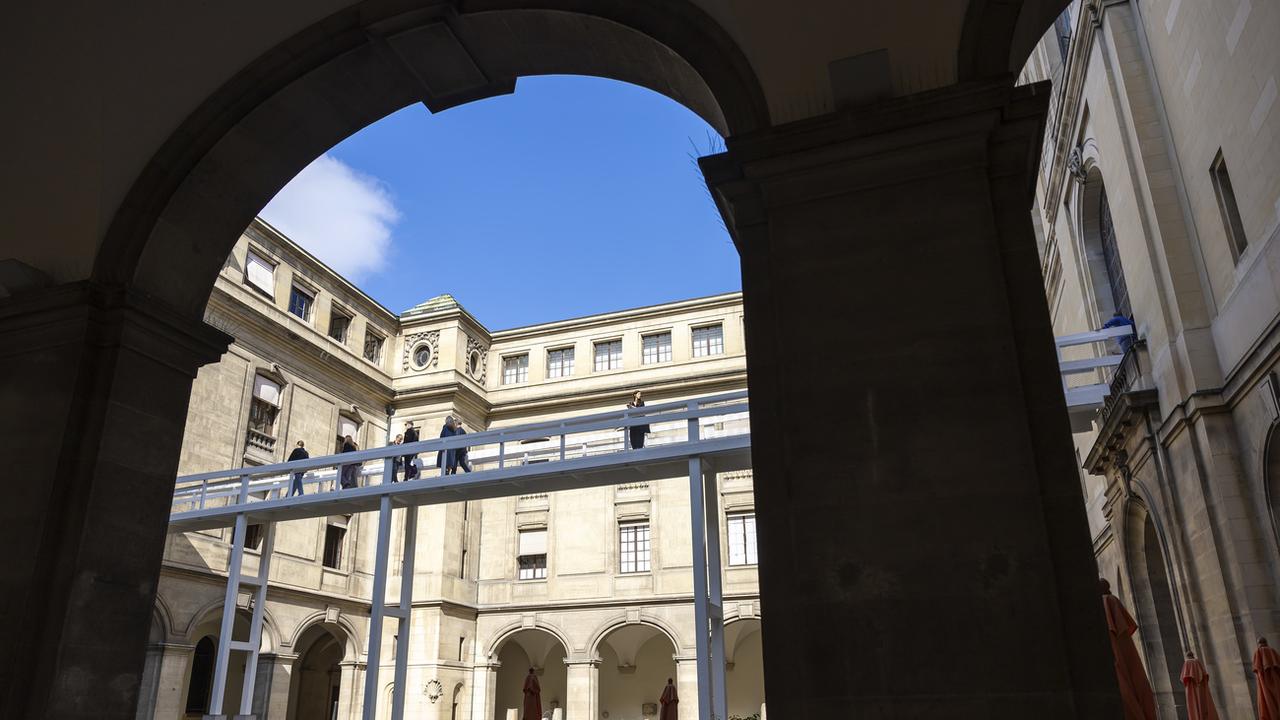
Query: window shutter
[(347, 426), (533, 542), (266, 390), (260, 274)]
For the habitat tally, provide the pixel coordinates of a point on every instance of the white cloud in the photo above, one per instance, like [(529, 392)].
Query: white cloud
[(343, 216)]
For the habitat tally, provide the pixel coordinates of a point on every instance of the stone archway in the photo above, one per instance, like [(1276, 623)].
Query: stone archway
[(317, 683), (744, 671), (205, 637), (517, 653), (1155, 608), (1271, 480), (635, 662)]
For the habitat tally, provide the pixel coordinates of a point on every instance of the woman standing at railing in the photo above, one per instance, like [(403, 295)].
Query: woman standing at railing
[(637, 432), (447, 459), (350, 474)]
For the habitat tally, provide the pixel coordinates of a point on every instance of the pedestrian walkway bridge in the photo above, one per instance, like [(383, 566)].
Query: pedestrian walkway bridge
[(697, 439)]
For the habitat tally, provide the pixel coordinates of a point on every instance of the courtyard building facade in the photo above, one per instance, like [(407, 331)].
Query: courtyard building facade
[(1158, 199), (591, 588)]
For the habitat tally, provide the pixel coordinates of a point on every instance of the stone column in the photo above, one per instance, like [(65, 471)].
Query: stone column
[(687, 686), (170, 698), (95, 383), (918, 506), (271, 686), (350, 690), (582, 688), (484, 690)]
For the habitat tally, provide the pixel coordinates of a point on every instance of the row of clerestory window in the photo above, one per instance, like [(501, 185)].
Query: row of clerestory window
[(634, 551), (655, 348)]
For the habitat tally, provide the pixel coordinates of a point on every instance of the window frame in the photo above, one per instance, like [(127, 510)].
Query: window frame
[(693, 340), (337, 311), (382, 346), (263, 258), (563, 371), (609, 365), (342, 526), (297, 288), (659, 356), (641, 548), (1228, 207), (750, 551), (536, 572), (521, 374)]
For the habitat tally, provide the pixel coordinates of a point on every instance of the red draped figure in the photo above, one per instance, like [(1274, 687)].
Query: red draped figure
[(1135, 690), (1196, 680), (669, 702), (532, 698), (1266, 666)]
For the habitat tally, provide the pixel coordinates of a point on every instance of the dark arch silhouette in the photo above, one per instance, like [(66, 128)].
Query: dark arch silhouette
[(246, 141)]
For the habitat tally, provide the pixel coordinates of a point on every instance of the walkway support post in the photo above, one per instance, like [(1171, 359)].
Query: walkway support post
[(405, 611), (377, 609), (255, 624), (223, 657)]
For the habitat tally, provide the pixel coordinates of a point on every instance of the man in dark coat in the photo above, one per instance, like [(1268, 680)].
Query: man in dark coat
[(447, 460), (460, 455), (299, 453), (410, 436)]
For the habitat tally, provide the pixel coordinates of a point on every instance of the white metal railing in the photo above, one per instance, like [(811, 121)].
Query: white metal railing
[(543, 442), (1089, 397)]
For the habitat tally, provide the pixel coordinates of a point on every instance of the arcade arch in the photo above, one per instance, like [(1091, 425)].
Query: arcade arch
[(744, 671), (635, 662), (518, 652), (315, 692), (1159, 629)]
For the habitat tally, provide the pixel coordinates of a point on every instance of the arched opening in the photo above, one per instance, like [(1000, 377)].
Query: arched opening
[(1271, 481), (201, 682), (635, 663), (1102, 254), (1155, 611), (316, 689), (206, 637), (744, 674), (525, 649)]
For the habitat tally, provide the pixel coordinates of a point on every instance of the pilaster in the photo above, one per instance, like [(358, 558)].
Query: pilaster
[(931, 500)]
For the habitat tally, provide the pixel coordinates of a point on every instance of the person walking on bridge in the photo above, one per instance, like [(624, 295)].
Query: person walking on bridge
[(447, 460), (299, 453), (350, 474), (410, 436), (460, 455)]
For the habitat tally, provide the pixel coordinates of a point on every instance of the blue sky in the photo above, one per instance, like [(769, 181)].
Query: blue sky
[(573, 196)]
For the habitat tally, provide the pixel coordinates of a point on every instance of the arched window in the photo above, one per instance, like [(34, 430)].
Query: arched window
[(201, 677), (1111, 255)]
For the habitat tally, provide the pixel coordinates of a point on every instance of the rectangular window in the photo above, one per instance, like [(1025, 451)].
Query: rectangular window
[(334, 534), (1227, 206), (339, 324), (742, 539), (708, 340), (655, 348), (608, 355), (531, 559), (301, 302), (515, 369), (346, 426), (264, 406), (633, 547), (373, 347), (253, 537), (560, 362), (260, 273)]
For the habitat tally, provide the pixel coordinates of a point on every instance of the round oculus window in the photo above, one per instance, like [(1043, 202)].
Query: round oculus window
[(474, 362), (421, 356)]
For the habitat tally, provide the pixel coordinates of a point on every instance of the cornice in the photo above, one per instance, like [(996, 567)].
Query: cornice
[(628, 315), (1130, 408)]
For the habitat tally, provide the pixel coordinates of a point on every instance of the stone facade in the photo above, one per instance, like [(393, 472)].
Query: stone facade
[(603, 640), (1158, 193)]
